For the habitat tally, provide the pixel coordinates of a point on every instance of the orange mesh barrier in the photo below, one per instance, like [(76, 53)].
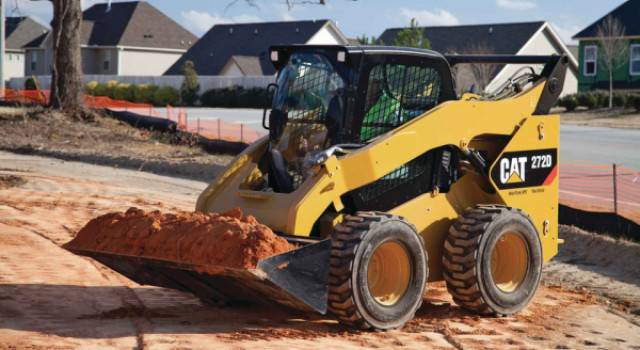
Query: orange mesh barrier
[(210, 128), (597, 188), (27, 96)]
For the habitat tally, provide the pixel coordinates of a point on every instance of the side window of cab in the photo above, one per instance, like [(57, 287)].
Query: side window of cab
[(397, 93)]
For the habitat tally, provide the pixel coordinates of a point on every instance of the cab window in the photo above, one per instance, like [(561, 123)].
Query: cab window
[(397, 93)]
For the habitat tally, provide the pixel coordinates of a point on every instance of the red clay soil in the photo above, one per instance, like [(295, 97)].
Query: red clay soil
[(206, 239)]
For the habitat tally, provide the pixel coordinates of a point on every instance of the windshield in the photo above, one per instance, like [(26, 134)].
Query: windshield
[(306, 87), (308, 110)]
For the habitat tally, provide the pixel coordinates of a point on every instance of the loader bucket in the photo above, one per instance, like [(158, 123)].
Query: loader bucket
[(296, 279)]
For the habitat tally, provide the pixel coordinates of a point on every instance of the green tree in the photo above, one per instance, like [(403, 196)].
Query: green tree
[(366, 40), (412, 37), (190, 85)]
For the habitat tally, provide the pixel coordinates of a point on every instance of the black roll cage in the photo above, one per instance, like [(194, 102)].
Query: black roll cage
[(360, 58)]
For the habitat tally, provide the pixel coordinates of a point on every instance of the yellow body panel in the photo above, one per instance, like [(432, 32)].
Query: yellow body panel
[(457, 123)]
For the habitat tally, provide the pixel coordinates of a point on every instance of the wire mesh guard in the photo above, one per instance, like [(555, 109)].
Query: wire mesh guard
[(308, 85), (416, 173), (396, 94)]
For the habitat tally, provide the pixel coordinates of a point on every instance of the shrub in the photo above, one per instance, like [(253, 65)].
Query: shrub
[(630, 101), (190, 85), (90, 87), (101, 90), (587, 99), (237, 97), (143, 93), (619, 99), (123, 92), (602, 98), (111, 87), (633, 101), (166, 95), (31, 83), (569, 102)]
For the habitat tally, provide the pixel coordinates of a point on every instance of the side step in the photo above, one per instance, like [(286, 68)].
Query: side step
[(296, 279)]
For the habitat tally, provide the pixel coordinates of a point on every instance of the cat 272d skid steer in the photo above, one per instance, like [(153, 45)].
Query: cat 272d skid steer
[(386, 180)]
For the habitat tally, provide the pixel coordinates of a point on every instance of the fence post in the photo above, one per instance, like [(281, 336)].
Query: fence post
[(198, 127), (219, 132), (615, 189), (241, 132)]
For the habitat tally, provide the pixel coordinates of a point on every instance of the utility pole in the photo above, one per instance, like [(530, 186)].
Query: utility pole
[(2, 45)]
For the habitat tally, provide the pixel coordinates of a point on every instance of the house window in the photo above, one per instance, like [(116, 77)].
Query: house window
[(106, 64), (34, 60), (590, 60), (634, 64)]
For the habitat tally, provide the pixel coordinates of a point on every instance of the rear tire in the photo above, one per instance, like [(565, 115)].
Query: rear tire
[(492, 260), (378, 271)]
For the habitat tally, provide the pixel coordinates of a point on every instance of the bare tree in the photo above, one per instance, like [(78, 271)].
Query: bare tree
[(613, 47), (477, 74), (66, 75), (482, 73)]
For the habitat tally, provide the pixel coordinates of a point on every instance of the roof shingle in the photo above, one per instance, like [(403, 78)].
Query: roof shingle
[(628, 13), (21, 31), (133, 23), (502, 38), (212, 52)]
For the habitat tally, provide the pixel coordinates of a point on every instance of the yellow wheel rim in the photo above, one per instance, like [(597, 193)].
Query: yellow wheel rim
[(388, 273), (509, 262)]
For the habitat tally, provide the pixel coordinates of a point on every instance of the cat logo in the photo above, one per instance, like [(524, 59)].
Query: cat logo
[(513, 170), (521, 169)]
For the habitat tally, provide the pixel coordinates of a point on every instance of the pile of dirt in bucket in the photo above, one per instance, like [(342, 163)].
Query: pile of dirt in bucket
[(206, 239)]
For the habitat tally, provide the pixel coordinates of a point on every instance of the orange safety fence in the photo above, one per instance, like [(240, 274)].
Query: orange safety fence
[(601, 188), (210, 128), (27, 96)]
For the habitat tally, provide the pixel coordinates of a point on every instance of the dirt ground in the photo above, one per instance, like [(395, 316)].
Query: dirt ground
[(52, 299), (616, 118), (104, 141)]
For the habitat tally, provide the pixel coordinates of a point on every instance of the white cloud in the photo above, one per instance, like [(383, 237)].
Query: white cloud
[(42, 11), (567, 31), (428, 18), (516, 4), (200, 22)]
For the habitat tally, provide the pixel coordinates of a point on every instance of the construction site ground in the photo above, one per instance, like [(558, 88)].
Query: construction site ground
[(52, 299), (604, 117)]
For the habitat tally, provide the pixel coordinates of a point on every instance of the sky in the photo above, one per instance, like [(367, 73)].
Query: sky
[(362, 17)]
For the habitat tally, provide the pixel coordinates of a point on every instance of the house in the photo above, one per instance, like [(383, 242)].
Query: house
[(19, 32), (525, 38), (123, 38), (241, 49), (592, 75)]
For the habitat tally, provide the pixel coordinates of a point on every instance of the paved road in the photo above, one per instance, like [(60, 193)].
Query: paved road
[(585, 144), (251, 117), (579, 144)]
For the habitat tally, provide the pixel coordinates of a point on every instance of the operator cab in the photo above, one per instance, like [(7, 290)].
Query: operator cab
[(332, 98)]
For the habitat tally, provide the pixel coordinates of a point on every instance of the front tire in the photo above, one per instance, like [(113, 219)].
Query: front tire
[(378, 271), (492, 260)]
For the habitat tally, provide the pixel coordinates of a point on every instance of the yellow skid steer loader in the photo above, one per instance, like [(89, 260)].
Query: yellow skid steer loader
[(386, 180)]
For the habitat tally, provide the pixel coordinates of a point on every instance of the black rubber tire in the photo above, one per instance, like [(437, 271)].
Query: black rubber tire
[(353, 244), (467, 260)]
